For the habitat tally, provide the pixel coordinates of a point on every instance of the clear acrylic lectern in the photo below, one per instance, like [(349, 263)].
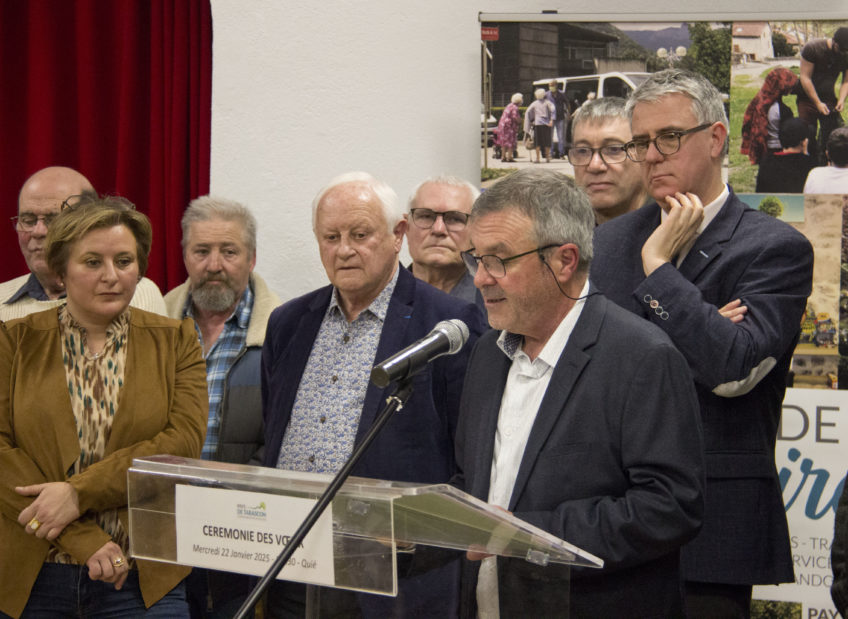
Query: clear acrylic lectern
[(238, 518)]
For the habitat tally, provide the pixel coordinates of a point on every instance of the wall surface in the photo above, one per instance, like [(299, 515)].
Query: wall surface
[(305, 91)]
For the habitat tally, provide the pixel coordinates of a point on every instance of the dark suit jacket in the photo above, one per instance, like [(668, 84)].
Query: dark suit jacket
[(613, 465), (742, 254), (417, 444)]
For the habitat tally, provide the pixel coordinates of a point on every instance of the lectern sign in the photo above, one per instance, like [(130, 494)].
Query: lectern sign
[(244, 532)]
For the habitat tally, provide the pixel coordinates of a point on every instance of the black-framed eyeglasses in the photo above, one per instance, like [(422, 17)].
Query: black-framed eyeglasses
[(609, 153), (27, 222), (666, 143), (90, 197), (71, 202), (426, 218), (495, 265)]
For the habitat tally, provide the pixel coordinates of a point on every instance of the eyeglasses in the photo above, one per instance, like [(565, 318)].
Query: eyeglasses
[(666, 143), (71, 202), (426, 218), (494, 265), (26, 222), (118, 203), (609, 153)]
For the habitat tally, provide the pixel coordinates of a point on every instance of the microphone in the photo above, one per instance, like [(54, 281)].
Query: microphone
[(446, 338)]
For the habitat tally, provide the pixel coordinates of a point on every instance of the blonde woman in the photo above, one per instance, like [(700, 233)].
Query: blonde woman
[(84, 388)]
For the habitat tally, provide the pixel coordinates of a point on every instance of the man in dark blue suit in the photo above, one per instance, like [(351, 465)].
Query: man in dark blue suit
[(318, 402), (729, 286), (576, 416)]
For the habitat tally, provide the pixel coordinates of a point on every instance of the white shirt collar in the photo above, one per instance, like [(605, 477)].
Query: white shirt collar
[(511, 343), (710, 212)]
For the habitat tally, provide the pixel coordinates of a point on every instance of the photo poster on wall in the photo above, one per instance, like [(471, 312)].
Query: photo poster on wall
[(757, 65)]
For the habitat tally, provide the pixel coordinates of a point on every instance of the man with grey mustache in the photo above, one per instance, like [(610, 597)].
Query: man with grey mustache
[(230, 305)]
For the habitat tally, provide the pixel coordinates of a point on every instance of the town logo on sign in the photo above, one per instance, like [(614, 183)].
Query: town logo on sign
[(258, 512)]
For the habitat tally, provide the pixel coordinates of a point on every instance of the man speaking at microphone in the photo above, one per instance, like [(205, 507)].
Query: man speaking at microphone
[(575, 417), (318, 401)]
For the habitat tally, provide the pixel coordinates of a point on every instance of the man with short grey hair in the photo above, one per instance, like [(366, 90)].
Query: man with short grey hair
[(562, 421), (675, 263), (599, 130), (437, 232), (230, 305), (319, 402)]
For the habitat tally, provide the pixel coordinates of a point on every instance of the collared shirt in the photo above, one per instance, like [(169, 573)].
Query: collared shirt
[(219, 360), (32, 288), (526, 384), (464, 289), (325, 415), (710, 212), (94, 387)]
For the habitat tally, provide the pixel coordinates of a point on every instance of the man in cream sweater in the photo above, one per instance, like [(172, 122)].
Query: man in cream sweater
[(39, 201)]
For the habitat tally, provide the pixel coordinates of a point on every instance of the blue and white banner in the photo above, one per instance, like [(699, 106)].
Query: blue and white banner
[(812, 462)]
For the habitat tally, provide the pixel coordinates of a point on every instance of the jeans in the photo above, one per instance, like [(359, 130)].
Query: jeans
[(66, 591), (559, 126), (810, 114)]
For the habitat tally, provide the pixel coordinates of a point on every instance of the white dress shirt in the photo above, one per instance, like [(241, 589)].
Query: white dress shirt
[(525, 388), (710, 211)]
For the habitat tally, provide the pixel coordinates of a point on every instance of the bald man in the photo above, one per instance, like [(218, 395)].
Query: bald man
[(39, 201)]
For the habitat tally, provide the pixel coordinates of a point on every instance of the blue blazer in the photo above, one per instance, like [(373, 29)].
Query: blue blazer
[(416, 445), (613, 464), (743, 254)]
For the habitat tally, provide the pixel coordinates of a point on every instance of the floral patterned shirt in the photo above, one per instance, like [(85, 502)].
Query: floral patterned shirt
[(325, 415)]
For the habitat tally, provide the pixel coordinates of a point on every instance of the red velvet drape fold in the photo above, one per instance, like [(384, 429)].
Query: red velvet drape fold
[(120, 90)]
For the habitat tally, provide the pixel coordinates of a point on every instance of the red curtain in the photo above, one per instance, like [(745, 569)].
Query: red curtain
[(120, 90)]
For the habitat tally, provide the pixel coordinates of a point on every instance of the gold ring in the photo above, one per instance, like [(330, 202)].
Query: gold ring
[(118, 561), (34, 524)]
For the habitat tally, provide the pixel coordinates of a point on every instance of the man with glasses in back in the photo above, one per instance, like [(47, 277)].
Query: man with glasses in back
[(599, 131), (39, 201), (562, 421), (675, 263), (437, 232)]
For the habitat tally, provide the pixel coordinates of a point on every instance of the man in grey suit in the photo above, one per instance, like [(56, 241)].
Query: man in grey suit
[(575, 415), (675, 262)]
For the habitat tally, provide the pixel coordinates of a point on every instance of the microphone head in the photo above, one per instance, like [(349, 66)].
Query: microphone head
[(456, 332)]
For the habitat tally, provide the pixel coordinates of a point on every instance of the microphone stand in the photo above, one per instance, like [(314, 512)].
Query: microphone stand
[(394, 403)]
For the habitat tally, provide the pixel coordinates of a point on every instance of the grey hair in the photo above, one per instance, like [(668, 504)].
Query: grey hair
[(207, 208), (517, 98), (443, 179), (595, 110), (539, 93), (392, 209), (560, 211), (707, 105)]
